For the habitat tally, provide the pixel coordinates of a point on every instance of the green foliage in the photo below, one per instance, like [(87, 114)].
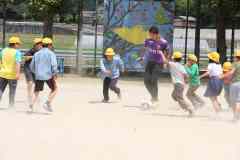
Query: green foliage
[(161, 17)]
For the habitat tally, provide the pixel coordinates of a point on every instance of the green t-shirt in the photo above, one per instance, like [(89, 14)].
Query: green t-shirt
[(236, 76), (193, 73)]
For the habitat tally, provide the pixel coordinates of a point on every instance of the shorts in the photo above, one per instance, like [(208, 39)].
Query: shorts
[(39, 85), (28, 74)]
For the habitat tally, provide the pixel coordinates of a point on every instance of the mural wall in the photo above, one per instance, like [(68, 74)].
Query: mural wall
[(126, 24)]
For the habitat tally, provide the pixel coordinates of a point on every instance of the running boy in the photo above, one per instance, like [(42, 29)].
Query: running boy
[(227, 80), (215, 84), (111, 66), (193, 73), (10, 59), (44, 66), (179, 76), (153, 48), (27, 71)]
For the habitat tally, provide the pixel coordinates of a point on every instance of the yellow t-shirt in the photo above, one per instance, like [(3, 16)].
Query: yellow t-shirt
[(9, 57)]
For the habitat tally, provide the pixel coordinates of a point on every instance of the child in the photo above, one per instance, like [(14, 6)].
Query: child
[(44, 67), (215, 84), (235, 88), (10, 59), (178, 75), (27, 71), (153, 59), (111, 66), (227, 80), (193, 73)]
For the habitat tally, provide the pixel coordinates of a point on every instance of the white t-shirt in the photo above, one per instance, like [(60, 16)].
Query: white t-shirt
[(215, 70)]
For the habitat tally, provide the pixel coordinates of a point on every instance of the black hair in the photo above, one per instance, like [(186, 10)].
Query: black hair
[(11, 44), (211, 61), (45, 45), (177, 59), (154, 30)]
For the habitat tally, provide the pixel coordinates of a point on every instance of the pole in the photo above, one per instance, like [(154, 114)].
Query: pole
[(198, 29), (186, 34), (233, 35), (79, 34), (95, 39), (4, 9)]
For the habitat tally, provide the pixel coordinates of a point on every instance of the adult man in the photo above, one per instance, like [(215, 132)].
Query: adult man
[(30, 78), (44, 66), (10, 59), (153, 48)]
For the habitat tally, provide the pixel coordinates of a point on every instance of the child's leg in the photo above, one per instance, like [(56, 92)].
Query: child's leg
[(113, 86), (215, 104), (3, 85), (52, 84), (190, 95), (155, 83), (106, 84), (179, 89), (193, 97), (12, 92)]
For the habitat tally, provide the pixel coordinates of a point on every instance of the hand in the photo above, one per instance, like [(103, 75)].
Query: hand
[(17, 76), (108, 72)]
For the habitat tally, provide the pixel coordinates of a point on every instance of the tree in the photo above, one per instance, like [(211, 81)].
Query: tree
[(45, 10)]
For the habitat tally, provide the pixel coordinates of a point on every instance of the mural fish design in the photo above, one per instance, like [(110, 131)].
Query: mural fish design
[(135, 35)]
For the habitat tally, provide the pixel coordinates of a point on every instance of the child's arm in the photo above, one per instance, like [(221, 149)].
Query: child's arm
[(204, 75), (121, 65), (103, 68)]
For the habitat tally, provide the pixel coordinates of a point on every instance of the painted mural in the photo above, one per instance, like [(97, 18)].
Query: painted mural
[(126, 24)]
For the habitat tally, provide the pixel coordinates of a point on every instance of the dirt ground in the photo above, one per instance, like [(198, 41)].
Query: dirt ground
[(82, 128)]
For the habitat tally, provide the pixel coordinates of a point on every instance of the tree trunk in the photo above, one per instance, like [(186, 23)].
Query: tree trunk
[(198, 5), (48, 26), (221, 32)]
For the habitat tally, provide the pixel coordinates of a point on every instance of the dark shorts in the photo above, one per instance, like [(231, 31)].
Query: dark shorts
[(28, 74), (39, 85)]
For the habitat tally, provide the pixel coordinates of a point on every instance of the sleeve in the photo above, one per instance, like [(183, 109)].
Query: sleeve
[(29, 53), (191, 71), (1, 55), (54, 64), (18, 56), (32, 64), (121, 65), (102, 67)]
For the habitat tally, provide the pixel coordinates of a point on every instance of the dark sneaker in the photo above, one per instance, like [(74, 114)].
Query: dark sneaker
[(47, 107)]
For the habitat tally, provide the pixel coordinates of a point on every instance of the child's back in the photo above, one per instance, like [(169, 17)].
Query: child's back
[(178, 72)]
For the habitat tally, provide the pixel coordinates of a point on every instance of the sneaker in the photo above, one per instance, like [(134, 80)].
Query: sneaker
[(105, 101), (47, 107), (190, 113), (31, 108), (119, 96)]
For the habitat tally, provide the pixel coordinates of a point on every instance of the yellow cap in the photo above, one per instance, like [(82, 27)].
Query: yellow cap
[(14, 40), (214, 56), (177, 55), (237, 53), (192, 57), (37, 40), (47, 40), (109, 52), (227, 66)]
